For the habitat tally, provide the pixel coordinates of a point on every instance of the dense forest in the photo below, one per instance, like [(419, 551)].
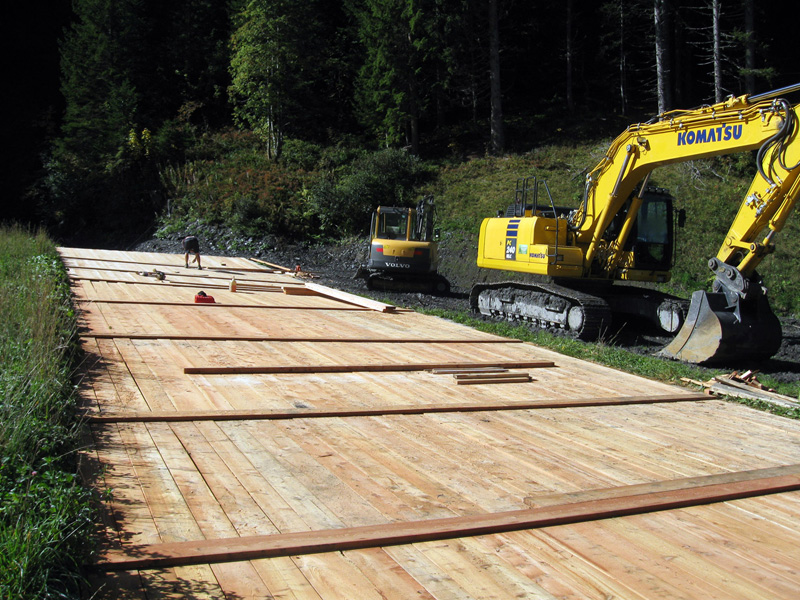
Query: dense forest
[(333, 105)]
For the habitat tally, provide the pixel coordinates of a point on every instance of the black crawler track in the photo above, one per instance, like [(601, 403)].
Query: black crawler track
[(557, 300)]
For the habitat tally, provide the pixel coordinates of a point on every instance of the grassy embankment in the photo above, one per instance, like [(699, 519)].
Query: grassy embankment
[(45, 515)]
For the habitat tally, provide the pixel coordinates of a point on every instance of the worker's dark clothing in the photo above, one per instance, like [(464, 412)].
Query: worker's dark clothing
[(191, 244)]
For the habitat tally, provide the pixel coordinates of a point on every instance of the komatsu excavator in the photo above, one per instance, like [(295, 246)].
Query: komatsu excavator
[(623, 232), (403, 252)]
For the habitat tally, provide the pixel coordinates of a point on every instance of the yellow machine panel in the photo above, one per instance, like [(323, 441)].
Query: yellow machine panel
[(508, 244)]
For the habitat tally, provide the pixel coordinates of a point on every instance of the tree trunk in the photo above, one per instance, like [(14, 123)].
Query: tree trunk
[(569, 50), (716, 51), (663, 32), (497, 134), (623, 68), (750, 47)]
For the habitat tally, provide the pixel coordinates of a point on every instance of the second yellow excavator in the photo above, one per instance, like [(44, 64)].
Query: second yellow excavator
[(403, 252), (623, 232)]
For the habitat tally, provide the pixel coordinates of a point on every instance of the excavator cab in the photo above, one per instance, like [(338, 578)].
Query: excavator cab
[(390, 223), (399, 243)]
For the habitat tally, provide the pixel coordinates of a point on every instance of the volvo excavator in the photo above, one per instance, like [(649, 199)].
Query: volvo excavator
[(403, 252), (622, 232)]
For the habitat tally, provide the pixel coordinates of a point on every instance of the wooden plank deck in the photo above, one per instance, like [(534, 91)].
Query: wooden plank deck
[(228, 429)]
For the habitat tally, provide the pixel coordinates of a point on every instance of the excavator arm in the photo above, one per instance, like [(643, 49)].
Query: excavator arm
[(735, 318)]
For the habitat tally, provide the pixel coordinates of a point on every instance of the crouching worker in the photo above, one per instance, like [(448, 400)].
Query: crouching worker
[(191, 245)]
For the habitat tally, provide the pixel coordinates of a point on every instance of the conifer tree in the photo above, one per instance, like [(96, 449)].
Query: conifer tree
[(277, 68), (390, 90), (96, 65)]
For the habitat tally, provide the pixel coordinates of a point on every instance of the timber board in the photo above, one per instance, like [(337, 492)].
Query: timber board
[(214, 480)]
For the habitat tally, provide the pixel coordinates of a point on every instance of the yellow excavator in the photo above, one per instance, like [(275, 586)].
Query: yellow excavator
[(622, 232), (403, 252)]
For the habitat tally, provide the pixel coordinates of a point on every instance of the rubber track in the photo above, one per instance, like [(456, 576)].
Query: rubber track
[(596, 310)]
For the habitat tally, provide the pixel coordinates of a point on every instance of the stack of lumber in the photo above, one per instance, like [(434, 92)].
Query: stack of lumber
[(277, 445), (745, 385)]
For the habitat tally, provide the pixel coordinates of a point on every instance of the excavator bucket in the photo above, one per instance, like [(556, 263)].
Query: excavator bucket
[(716, 332)]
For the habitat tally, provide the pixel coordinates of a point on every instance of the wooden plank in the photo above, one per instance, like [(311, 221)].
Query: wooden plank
[(293, 290), (166, 283), (727, 387), (493, 380), (209, 277), (219, 304), (254, 415), (150, 258), (504, 374), (264, 338), (664, 495), (475, 370), (274, 266), (351, 298), (533, 364)]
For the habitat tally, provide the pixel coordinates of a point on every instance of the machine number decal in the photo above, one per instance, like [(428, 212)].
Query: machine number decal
[(511, 249)]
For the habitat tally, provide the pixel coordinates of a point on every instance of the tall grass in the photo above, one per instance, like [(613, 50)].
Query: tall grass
[(45, 515)]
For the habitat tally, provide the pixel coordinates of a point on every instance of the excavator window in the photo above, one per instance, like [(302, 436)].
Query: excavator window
[(651, 239), (392, 226)]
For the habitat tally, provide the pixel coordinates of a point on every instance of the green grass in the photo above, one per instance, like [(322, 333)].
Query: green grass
[(45, 514)]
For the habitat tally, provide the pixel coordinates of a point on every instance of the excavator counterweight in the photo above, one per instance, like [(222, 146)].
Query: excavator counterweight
[(403, 253)]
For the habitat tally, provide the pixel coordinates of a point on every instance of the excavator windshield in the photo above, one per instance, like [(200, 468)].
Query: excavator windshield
[(392, 224), (652, 238)]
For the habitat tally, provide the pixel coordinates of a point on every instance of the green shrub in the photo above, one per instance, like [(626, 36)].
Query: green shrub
[(387, 177), (299, 154)]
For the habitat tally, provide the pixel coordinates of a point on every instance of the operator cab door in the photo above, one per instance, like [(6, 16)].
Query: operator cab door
[(649, 245), (652, 237)]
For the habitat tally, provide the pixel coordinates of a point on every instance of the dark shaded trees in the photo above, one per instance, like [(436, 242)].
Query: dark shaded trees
[(496, 126), (140, 78), (662, 35), (134, 74), (288, 76), (396, 43)]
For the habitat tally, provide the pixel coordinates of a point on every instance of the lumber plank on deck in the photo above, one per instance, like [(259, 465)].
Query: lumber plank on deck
[(662, 495), (251, 415), (218, 304), (492, 380), (266, 338), (324, 290), (534, 364)]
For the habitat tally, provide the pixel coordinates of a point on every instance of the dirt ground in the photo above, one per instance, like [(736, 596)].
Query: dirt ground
[(335, 265)]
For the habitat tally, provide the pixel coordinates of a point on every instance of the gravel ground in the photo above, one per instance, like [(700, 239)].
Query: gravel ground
[(335, 264)]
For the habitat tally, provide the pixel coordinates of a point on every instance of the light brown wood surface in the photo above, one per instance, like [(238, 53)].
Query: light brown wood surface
[(388, 450)]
